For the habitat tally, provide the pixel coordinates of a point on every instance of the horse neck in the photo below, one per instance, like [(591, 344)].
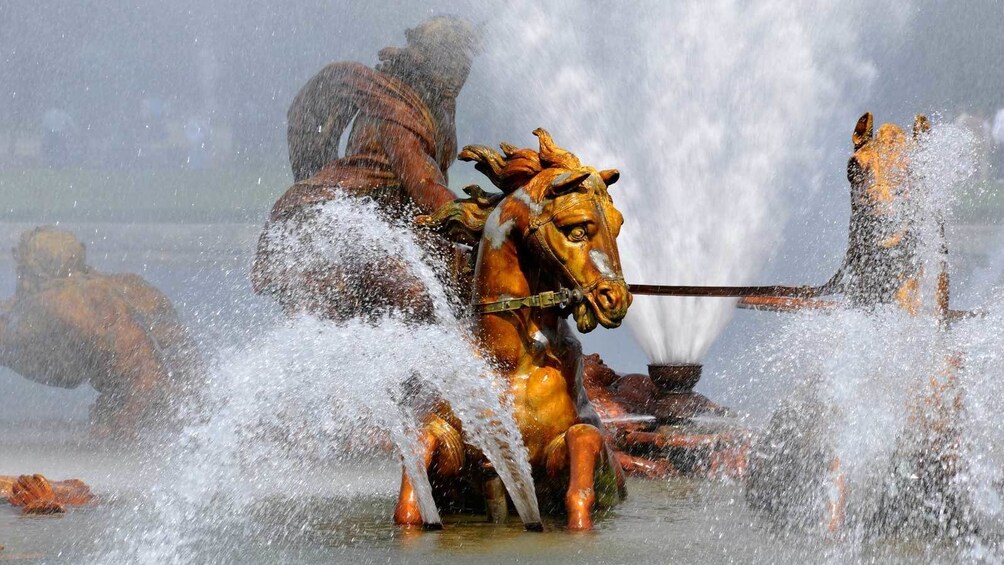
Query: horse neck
[(499, 275)]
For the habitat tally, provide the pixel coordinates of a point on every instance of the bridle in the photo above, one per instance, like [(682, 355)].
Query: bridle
[(561, 298)]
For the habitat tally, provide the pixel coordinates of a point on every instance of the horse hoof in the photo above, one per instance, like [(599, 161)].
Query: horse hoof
[(580, 523), (534, 527)]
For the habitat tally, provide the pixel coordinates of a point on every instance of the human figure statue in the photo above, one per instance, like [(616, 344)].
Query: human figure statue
[(68, 324), (401, 144)]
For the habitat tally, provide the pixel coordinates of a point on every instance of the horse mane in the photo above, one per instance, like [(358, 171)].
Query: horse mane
[(463, 220), (514, 167)]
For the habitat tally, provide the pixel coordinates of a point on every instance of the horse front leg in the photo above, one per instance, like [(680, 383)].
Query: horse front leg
[(579, 453), (442, 451), (407, 511)]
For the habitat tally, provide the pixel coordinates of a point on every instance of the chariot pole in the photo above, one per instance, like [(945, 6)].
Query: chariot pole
[(791, 298), (780, 291)]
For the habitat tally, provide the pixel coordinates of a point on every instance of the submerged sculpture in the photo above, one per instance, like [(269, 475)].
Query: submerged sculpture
[(35, 494), (68, 324), (402, 142), (546, 249)]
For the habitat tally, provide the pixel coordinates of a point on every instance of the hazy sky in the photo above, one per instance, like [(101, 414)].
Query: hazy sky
[(243, 61)]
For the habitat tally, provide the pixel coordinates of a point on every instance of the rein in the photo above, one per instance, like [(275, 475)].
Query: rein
[(561, 298)]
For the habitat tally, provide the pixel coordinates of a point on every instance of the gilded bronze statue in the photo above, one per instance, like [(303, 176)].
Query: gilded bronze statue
[(881, 264), (402, 142), (546, 249), (35, 494), (793, 463), (67, 324)]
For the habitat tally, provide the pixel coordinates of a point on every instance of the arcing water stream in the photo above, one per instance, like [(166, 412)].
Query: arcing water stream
[(715, 140), (313, 391), (712, 111), (893, 418)]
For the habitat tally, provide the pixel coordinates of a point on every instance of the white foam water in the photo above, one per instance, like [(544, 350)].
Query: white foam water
[(317, 393), (907, 406)]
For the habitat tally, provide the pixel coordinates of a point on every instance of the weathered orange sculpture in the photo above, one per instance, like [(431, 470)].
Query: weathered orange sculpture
[(37, 495), (68, 324), (546, 249), (881, 264), (649, 422), (402, 142)]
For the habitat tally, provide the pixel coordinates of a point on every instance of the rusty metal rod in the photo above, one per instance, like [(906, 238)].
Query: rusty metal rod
[(727, 291)]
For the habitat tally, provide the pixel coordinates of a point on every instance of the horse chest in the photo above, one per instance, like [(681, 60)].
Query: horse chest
[(542, 406)]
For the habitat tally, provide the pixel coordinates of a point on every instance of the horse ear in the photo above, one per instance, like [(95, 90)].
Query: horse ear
[(921, 125), (567, 182), (862, 131), (610, 176), (551, 155)]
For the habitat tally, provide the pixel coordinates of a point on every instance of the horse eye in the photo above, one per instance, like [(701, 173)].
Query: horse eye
[(577, 233)]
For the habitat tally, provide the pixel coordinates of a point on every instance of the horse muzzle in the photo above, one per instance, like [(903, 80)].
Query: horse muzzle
[(606, 304)]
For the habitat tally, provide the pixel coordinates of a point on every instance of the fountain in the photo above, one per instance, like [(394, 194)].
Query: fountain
[(908, 473), (412, 387), (675, 377)]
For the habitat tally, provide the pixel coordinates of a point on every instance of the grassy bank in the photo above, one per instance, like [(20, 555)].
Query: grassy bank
[(152, 195), (241, 194), (234, 194)]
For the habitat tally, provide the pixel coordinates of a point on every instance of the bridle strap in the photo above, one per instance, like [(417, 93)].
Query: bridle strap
[(560, 298)]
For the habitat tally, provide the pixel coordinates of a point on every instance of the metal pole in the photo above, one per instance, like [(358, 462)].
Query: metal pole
[(727, 291)]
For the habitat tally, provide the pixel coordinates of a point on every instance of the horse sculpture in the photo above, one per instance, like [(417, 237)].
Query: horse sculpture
[(881, 264), (793, 471), (546, 248)]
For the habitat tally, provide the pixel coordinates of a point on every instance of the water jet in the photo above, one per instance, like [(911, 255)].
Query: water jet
[(719, 115)]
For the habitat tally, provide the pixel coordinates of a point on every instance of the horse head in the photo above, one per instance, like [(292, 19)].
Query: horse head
[(878, 168), (558, 216)]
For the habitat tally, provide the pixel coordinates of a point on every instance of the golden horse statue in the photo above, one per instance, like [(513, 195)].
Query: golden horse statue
[(881, 264), (881, 267), (546, 249)]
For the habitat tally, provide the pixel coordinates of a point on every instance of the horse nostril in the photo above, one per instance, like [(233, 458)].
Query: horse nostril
[(608, 297)]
